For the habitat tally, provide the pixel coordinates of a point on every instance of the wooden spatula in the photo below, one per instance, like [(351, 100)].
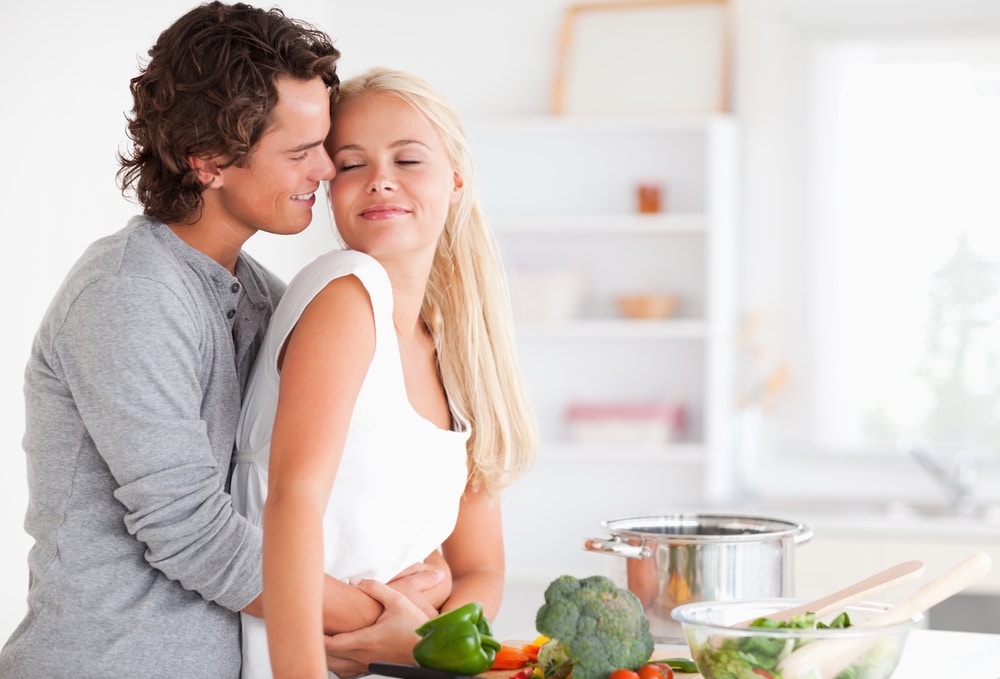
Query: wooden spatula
[(890, 577), (826, 658), (873, 584)]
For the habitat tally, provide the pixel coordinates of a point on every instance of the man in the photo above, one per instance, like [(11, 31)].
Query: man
[(133, 386)]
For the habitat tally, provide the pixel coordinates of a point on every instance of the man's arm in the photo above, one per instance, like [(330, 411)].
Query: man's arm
[(131, 351), (429, 581), (419, 580)]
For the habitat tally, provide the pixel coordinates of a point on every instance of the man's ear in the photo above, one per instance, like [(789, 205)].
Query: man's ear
[(208, 169)]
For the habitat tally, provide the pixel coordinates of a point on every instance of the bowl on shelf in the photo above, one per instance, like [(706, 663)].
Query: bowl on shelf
[(648, 305), (869, 652)]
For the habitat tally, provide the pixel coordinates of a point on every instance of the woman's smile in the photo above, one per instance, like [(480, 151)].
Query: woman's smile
[(383, 211)]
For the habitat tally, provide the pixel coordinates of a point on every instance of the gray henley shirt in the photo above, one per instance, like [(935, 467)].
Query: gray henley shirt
[(132, 395)]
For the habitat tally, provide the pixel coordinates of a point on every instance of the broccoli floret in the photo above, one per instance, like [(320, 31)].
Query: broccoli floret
[(600, 627)]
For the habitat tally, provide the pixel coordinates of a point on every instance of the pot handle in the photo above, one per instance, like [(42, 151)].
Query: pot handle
[(805, 533), (618, 547)]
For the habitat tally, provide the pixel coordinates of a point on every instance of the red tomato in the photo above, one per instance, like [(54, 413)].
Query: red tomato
[(650, 672), (665, 669), (624, 674), (763, 673)]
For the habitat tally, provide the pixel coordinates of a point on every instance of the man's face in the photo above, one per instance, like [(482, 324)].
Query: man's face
[(275, 192)]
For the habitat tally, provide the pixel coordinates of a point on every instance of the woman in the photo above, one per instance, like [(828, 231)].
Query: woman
[(390, 377)]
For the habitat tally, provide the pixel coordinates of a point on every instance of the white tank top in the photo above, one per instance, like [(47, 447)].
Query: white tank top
[(396, 495)]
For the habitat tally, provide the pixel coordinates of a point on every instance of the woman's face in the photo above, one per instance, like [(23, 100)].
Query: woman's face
[(393, 184)]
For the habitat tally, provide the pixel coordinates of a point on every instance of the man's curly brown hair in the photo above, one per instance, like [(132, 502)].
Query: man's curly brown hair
[(208, 90)]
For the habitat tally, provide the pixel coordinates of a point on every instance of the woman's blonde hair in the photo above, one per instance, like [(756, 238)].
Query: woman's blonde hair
[(467, 305)]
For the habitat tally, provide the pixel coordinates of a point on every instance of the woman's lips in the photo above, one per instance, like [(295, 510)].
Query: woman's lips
[(382, 212)]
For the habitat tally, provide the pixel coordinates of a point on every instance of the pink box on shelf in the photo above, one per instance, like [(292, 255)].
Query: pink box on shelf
[(625, 423)]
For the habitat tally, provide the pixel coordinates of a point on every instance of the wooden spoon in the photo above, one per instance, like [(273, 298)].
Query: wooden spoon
[(890, 577), (873, 584), (826, 658)]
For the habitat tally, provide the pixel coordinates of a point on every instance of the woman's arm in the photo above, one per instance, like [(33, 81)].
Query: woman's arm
[(475, 553), (318, 390)]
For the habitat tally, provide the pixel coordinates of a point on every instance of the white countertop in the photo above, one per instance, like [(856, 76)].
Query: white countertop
[(935, 654), (929, 654)]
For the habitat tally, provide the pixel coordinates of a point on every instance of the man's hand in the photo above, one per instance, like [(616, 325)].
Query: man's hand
[(427, 583), (390, 639)]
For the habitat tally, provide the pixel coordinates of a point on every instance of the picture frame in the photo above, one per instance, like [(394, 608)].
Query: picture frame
[(644, 56)]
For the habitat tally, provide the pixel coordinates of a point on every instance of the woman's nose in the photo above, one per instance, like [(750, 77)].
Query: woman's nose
[(381, 183)]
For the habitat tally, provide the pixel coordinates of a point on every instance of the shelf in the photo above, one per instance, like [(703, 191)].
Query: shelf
[(614, 328), (561, 193), (630, 223), (681, 452)]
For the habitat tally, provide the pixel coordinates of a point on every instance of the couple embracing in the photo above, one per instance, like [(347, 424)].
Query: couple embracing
[(375, 403)]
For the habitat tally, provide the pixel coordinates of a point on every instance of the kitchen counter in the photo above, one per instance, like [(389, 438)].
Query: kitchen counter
[(929, 654)]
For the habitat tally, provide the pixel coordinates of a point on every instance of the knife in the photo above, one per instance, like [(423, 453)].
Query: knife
[(389, 669)]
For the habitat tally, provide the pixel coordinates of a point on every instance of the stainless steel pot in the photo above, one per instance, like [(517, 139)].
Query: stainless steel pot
[(679, 558)]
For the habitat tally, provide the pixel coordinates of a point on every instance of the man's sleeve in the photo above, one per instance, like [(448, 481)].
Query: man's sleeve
[(133, 355)]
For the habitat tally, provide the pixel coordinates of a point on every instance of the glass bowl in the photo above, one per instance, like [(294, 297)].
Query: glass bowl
[(724, 652)]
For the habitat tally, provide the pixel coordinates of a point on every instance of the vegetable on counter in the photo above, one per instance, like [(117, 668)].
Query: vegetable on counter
[(679, 665), (658, 669), (511, 658), (758, 657), (459, 641), (595, 628)]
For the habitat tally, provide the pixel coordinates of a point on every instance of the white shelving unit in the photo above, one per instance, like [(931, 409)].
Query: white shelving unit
[(561, 193)]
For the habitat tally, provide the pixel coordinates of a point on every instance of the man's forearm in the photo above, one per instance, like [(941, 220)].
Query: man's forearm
[(346, 608)]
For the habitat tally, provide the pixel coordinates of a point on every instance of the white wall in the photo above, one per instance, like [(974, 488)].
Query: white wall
[(66, 67)]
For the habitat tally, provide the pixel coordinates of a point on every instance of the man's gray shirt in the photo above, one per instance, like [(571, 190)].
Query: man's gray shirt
[(132, 395)]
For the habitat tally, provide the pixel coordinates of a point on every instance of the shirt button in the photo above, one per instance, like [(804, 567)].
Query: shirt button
[(230, 313), (235, 288)]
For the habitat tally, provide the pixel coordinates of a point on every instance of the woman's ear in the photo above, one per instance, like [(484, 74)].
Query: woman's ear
[(456, 193), (208, 169)]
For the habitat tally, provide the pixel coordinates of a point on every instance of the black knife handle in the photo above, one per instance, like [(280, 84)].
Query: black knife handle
[(389, 669)]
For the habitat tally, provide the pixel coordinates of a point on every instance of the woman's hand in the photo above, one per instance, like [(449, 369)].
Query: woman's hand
[(390, 639)]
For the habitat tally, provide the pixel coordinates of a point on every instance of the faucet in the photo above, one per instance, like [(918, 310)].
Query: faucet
[(957, 479)]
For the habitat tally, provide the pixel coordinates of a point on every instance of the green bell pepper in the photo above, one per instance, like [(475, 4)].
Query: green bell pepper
[(459, 641)]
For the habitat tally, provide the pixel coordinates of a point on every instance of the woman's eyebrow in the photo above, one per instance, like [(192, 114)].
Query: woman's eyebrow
[(396, 144)]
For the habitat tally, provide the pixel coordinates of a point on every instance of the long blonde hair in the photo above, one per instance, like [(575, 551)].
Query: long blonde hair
[(467, 305)]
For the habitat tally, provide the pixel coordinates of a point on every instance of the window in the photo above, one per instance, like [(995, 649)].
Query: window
[(905, 268), (889, 301)]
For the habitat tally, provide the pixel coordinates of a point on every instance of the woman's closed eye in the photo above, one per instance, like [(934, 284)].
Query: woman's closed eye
[(348, 165)]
